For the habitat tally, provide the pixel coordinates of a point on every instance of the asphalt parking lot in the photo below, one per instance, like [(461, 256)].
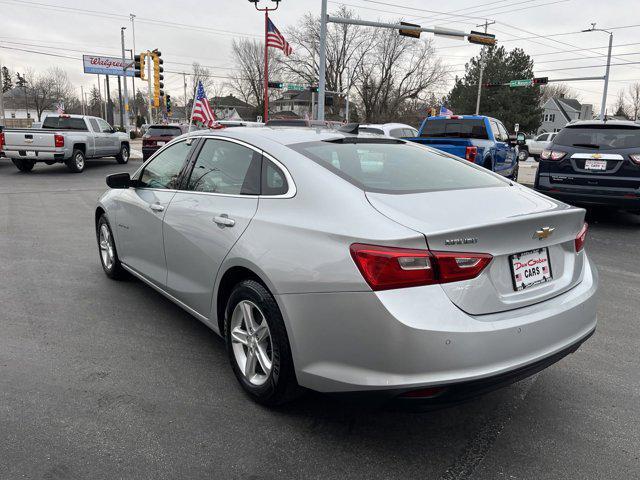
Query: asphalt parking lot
[(103, 379)]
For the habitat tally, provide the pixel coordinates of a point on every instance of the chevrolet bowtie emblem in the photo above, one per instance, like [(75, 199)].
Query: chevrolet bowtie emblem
[(544, 232), (596, 156)]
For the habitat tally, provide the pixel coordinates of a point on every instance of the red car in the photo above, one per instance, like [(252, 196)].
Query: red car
[(157, 135)]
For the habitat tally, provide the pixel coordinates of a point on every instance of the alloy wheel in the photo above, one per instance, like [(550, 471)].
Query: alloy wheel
[(107, 254), (251, 342), (79, 161)]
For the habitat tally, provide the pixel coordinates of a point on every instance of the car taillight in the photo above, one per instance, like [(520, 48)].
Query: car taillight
[(385, 268), (635, 158), (59, 140), (581, 237), (552, 155), (1, 140), (470, 153)]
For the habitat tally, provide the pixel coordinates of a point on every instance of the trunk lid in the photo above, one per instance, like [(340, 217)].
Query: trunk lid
[(29, 139), (501, 221)]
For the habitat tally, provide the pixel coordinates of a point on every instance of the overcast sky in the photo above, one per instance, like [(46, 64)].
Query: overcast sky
[(191, 30)]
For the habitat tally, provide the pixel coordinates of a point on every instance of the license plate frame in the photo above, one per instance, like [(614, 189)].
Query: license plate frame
[(528, 256), (597, 165), (160, 143)]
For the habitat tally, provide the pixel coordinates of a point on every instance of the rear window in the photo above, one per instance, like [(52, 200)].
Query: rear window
[(377, 131), (456, 128), (64, 123), (287, 123), (396, 167), (600, 138), (164, 131)]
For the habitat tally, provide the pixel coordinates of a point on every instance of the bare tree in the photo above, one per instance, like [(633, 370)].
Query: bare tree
[(620, 107), (634, 100), (561, 90), (49, 88), (395, 71), (248, 82)]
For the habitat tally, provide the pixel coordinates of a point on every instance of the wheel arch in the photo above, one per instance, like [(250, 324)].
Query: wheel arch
[(80, 146)]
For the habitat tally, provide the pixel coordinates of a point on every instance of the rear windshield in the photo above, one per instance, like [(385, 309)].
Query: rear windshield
[(396, 167), (66, 123), (164, 131), (599, 138), (456, 128)]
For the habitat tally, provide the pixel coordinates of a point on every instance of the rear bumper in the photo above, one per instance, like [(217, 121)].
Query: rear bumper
[(39, 156), (579, 195), (399, 340)]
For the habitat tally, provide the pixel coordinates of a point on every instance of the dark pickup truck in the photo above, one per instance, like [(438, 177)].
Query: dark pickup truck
[(479, 139)]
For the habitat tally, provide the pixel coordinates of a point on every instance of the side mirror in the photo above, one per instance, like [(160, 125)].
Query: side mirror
[(521, 139), (119, 180)]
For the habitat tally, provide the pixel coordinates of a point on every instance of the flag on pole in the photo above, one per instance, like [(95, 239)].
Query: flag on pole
[(202, 110), (276, 40), (445, 111)]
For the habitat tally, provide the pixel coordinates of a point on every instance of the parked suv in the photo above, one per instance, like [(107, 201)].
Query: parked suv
[(157, 136), (593, 162)]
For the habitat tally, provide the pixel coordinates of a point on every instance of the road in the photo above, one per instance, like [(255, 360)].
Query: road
[(103, 380)]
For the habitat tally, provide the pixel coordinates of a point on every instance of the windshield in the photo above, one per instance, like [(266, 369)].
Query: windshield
[(64, 123), (396, 167), (600, 138), (455, 127), (164, 131)]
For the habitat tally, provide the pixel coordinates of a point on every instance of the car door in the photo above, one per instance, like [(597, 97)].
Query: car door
[(111, 140), (99, 138), (500, 148), (207, 217), (510, 151), (142, 210)]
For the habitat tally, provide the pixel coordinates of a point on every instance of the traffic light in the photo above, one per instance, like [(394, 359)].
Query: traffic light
[(158, 78), (481, 38), (167, 101), (541, 80), (139, 65), (313, 89), (276, 85)]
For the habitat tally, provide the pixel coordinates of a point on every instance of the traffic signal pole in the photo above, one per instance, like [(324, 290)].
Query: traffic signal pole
[(482, 60), (266, 11), (149, 86), (124, 81)]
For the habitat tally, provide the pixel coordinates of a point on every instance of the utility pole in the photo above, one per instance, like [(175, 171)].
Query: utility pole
[(603, 106), (133, 79), (109, 104), (150, 119), (482, 60), (99, 96), (122, 115), (322, 84), (82, 101), (2, 117), (126, 95), (184, 80)]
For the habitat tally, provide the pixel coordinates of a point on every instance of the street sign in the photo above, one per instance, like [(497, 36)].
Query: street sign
[(521, 83), (106, 65), (295, 86), (409, 33)]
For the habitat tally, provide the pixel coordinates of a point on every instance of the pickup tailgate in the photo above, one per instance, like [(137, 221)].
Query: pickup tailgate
[(34, 140), (454, 146)]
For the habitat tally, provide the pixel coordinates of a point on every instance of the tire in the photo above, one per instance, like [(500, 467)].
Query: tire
[(107, 250), (273, 386), (123, 156), (514, 173), (523, 155), (76, 163), (23, 165), (536, 157), (488, 164)]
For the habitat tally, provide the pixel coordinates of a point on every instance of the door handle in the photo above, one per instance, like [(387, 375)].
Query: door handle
[(224, 221), (156, 207)]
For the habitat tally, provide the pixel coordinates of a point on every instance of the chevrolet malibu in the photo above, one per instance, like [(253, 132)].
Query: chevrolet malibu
[(347, 263)]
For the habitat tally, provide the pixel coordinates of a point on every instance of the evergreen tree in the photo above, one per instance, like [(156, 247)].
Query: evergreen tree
[(510, 105), (7, 81)]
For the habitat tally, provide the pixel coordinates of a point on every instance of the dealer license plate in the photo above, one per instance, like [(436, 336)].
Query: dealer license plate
[(530, 268), (595, 165), (160, 143)]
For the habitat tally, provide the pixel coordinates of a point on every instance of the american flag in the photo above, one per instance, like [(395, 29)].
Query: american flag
[(202, 110), (276, 40)]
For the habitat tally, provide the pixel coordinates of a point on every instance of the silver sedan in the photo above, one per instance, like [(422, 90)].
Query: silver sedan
[(349, 263)]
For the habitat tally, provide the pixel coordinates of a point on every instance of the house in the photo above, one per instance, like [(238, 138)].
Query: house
[(232, 108), (558, 111), (296, 104)]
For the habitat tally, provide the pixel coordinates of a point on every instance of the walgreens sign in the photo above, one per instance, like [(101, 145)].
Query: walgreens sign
[(106, 65)]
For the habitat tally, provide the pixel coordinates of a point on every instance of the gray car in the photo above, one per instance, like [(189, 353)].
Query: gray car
[(353, 263)]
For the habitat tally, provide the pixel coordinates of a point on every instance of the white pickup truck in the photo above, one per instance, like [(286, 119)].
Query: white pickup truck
[(68, 139)]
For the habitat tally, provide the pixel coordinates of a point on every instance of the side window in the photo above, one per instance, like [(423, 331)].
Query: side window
[(495, 130), (397, 133), (273, 180), (226, 167), (94, 125), (104, 126), (164, 170), (543, 137), (503, 132)]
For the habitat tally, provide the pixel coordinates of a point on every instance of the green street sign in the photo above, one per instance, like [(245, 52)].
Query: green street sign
[(521, 83), (294, 86)]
